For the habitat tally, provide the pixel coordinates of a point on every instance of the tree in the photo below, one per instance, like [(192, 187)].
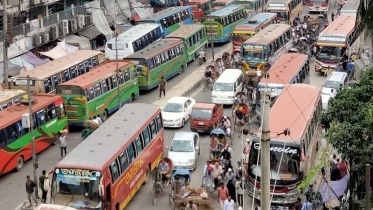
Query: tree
[(366, 12), (350, 118)]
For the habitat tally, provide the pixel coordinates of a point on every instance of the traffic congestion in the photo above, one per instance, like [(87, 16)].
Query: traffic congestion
[(118, 129)]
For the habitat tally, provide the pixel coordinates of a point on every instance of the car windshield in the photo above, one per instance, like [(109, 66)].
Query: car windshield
[(223, 87), (181, 146), (332, 84), (173, 107), (201, 113)]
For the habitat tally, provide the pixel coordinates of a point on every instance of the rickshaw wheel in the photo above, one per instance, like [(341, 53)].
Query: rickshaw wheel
[(170, 199), (154, 196)]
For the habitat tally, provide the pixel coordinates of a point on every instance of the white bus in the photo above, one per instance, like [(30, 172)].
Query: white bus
[(133, 40)]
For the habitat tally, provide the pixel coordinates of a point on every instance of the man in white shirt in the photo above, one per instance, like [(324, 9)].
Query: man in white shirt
[(98, 120), (63, 143), (229, 204)]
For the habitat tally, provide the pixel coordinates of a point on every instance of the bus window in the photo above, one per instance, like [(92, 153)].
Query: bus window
[(61, 111), (104, 87), (97, 90), (114, 82), (172, 53), (131, 153), (73, 72), (46, 86), (41, 117), (21, 131), (123, 161), (162, 58), (153, 129), (66, 76), (2, 139), (127, 76), (94, 62), (114, 171), (86, 67), (159, 123), (166, 56), (157, 60), (34, 121), (90, 93), (146, 135), (81, 69), (151, 64), (121, 79), (11, 133)]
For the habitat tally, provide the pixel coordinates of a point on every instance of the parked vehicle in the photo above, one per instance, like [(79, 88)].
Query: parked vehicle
[(177, 111), (205, 117)]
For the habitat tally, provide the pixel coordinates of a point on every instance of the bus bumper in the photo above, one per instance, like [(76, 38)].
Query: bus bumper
[(278, 198), (76, 124)]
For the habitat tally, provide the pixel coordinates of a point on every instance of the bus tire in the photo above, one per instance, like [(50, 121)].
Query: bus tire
[(148, 174), (20, 163), (182, 69), (104, 115), (117, 206), (133, 97)]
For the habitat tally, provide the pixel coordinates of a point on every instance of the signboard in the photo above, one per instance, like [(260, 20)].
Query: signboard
[(332, 39), (287, 150), (286, 176), (76, 176), (256, 48), (276, 5), (23, 82)]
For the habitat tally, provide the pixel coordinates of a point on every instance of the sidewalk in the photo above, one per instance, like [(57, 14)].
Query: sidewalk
[(26, 205)]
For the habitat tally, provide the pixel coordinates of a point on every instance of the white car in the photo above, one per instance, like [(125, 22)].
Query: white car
[(177, 111)]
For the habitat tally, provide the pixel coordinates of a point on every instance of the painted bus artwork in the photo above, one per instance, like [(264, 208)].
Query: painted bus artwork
[(114, 163), (250, 27), (166, 58), (45, 78), (298, 108), (170, 19), (133, 40), (96, 93), (49, 118)]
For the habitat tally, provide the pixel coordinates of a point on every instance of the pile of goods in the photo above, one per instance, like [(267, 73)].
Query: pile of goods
[(199, 197)]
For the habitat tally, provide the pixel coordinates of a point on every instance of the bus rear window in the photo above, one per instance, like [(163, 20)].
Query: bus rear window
[(71, 90)]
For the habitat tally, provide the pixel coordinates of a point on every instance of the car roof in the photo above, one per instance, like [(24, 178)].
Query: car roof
[(336, 76), (204, 105), (183, 135), (229, 75), (177, 99)]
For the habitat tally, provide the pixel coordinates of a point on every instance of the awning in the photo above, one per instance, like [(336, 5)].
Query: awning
[(90, 32), (81, 42)]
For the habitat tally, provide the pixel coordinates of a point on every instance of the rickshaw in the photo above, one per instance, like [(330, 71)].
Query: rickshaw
[(227, 60), (208, 183), (158, 183), (217, 136), (179, 180), (221, 126), (236, 58), (240, 97), (89, 127), (245, 117), (214, 75)]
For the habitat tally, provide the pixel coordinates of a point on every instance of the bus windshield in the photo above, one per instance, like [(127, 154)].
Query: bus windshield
[(71, 90), (242, 37), (201, 113), (253, 52), (72, 185), (284, 164), (330, 54), (223, 87)]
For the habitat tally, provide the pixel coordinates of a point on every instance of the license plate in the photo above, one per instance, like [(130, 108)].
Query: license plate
[(201, 123), (200, 131)]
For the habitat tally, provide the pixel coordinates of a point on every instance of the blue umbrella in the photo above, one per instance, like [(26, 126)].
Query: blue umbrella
[(181, 172), (217, 131)]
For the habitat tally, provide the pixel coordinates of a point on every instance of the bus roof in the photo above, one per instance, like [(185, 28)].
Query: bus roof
[(268, 34), (350, 7), (277, 3), (13, 114), (154, 49), (342, 26), (164, 13), (293, 109), (197, 2), (60, 64), (285, 68), (96, 73), (110, 139), (185, 31), (224, 1), (135, 33), (10, 93), (255, 21), (226, 10)]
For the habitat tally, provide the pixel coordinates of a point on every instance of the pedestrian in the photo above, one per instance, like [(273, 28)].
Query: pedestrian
[(298, 204), (340, 68), (98, 120), (307, 205), (332, 16), (353, 57), (350, 67), (30, 185), (222, 195), (328, 71), (191, 206), (342, 168), (229, 204), (162, 87), (63, 142), (239, 190), (41, 185), (325, 16)]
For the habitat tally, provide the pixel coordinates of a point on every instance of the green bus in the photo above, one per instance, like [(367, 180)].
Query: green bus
[(165, 58), (48, 118), (96, 93), (194, 38)]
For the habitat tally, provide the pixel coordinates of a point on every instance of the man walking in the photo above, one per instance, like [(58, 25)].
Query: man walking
[(332, 16), (162, 87), (222, 195), (229, 204), (63, 143), (41, 185), (30, 185)]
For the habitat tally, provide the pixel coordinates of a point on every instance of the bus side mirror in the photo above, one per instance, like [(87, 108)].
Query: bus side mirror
[(301, 166), (101, 190)]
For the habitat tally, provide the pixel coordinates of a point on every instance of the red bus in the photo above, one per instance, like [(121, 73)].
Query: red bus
[(297, 109), (49, 117), (109, 167), (318, 5), (199, 9)]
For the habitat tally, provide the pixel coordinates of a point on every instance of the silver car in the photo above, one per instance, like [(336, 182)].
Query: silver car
[(184, 150)]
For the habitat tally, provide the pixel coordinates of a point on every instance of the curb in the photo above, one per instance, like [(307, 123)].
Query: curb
[(198, 82)]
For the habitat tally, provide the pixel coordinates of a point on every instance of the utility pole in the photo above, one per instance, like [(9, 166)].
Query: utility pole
[(5, 42), (265, 196), (212, 42), (34, 160), (367, 187)]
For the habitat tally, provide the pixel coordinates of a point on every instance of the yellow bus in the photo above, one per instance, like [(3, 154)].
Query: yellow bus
[(45, 78), (10, 97), (286, 10)]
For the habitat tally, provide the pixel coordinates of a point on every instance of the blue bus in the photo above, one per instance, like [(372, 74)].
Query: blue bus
[(220, 24), (171, 18)]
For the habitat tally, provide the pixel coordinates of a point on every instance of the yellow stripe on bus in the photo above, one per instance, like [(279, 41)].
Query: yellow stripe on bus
[(330, 44), (243, 32), (138, 186)]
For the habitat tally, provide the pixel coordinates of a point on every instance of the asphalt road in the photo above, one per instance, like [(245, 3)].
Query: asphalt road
[(12, 185)]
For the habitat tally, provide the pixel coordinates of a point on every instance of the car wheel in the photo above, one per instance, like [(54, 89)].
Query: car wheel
[(183, 123)]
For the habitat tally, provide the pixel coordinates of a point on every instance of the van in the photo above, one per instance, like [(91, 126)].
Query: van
[(334, 81), (225, 88)]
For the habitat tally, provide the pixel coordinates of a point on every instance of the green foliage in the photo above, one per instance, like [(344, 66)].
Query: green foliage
[(367, 15), (350, 117)]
